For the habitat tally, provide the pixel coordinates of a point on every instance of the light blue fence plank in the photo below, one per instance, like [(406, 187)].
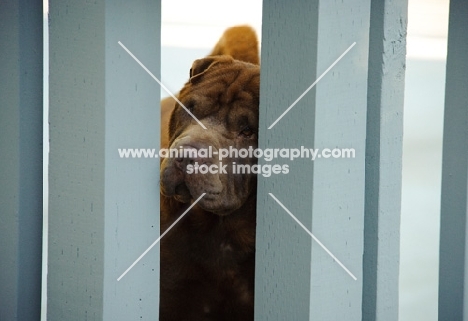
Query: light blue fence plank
[(453, 266), (103, 210), (387, 51), (295, 278), (20, 159)]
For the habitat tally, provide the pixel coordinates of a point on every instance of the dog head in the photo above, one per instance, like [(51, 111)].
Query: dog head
[(223, 94)]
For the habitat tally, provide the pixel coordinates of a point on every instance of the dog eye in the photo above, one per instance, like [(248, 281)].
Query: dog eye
[(247, 131), (190, 106)]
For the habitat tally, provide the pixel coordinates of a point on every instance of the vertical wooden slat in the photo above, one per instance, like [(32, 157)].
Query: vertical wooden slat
[(453, 266), (387, 51), (295, 278), (103, 210), (20, 159)]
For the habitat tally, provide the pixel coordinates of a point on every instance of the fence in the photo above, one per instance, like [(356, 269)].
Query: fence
[(104, 212)]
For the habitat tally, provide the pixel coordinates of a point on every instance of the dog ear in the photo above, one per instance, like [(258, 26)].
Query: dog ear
[(239, 42), (200, 66)]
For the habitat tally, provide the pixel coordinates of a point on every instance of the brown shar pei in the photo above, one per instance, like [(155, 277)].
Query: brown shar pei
[(208, 257)]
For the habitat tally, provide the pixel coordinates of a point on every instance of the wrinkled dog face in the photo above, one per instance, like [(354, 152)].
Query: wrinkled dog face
[(224, 95)]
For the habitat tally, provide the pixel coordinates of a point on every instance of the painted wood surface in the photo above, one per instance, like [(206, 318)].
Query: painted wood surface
[(387, 61), (20, 159), (295, 278), (453, 258), (103, 210)]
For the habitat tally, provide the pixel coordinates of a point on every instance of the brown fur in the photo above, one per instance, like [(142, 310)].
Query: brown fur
[(239, 42), (208, 257)]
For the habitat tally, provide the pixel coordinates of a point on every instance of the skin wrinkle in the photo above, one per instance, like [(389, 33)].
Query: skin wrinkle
[(213, 112), (236, 199), (208, 257)]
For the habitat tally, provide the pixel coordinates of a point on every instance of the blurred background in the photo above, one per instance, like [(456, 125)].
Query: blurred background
[(422, 158), (190, 34)]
